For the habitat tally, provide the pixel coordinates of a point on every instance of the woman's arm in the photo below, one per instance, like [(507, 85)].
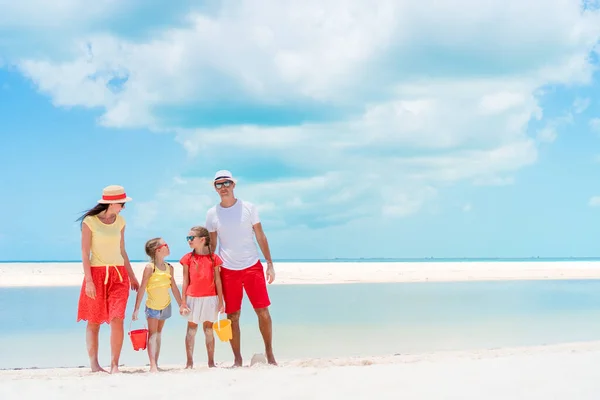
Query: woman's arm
[(140, 293), (132, 279), (86, 244)]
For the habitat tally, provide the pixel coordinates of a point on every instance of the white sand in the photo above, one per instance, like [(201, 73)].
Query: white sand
[(567, 371), (70, 274)]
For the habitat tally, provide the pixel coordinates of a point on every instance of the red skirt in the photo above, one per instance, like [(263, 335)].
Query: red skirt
[(112, 293)]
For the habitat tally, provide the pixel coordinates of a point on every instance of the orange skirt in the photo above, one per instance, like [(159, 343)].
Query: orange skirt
[(112, 293)]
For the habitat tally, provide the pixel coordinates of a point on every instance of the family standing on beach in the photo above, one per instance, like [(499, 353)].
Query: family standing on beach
[(213, 281)]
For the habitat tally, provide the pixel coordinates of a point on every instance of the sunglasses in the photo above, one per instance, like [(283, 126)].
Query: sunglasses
[(221, 184), (161, 246), (190, 238)]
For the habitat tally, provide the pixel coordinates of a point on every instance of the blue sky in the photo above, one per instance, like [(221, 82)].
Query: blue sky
[(396, 129)]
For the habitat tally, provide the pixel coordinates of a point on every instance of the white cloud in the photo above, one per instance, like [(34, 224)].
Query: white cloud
[(594, 201), (595, 124), (315, 52), (40, 14), (426, 120), (581, 104)]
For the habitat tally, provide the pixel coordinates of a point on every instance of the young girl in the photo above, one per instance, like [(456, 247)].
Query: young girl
[(202, 293), (158, 277)]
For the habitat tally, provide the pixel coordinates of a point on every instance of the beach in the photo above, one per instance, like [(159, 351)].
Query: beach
[(71, 274), (566, 371), (557, 371)]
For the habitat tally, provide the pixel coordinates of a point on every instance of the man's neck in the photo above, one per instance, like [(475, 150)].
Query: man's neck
[(227, 202)]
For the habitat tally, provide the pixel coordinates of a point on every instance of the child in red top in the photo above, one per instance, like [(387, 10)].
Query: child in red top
[(202, 293)]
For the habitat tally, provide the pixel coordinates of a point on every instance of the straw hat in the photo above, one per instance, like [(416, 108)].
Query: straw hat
[(114, 194)]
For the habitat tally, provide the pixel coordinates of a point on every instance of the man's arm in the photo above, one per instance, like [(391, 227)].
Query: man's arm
[(263, 243), (213, 241)]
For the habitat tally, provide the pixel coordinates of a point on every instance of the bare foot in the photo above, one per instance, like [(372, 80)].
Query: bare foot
[(211, 364), (189, 365), (271, 359), (98, 368), (237, 362), (153, 369), (114, 369)]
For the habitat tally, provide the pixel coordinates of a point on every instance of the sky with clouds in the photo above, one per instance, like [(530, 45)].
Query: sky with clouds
[(359, 128)]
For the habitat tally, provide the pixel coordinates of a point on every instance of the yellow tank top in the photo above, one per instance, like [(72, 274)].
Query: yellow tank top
[(106, 241), (158, 288)]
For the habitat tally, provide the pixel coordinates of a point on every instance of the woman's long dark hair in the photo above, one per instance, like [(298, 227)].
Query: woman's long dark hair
[(97, 209)]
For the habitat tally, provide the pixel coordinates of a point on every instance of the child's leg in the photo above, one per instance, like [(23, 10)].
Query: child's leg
[(210, 342), (159, 328), (190, 339), (152, 331)]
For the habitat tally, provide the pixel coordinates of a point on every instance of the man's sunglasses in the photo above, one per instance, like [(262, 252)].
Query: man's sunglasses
[(221, 184)]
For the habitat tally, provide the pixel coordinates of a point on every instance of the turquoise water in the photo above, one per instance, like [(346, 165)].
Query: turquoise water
[(39, 327)]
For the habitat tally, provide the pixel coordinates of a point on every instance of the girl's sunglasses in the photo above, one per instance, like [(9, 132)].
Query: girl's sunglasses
[(161, 246), (190, 238)]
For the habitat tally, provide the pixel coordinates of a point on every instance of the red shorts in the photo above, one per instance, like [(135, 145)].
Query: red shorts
[(111, 296), (252, 280)]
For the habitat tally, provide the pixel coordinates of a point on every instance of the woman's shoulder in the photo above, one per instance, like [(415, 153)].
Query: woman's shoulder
[(90, 221)]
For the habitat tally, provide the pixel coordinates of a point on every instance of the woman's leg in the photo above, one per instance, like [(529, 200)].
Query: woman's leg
[(116, 343), (190, 340), (152, 332), (91, 338), (210, 342)]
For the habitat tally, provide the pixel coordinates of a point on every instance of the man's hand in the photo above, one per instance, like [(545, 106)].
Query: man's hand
[(270, 272)]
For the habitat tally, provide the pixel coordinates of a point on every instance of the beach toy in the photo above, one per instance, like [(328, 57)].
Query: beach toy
[(223, 328), (139, 338)]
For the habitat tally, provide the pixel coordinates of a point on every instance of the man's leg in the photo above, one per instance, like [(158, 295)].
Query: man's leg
[(232, 294), (266, 329), (256, 289), (235, 338)]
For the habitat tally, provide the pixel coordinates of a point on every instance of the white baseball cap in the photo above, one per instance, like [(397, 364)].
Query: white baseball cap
[(223, 175)]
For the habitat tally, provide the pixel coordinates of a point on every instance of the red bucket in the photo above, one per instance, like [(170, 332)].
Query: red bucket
[(139, 338)]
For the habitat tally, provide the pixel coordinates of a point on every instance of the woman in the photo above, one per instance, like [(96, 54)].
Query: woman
[(107, 274)]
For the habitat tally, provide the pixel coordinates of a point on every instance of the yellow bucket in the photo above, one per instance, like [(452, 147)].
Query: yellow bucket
[(223, 328)]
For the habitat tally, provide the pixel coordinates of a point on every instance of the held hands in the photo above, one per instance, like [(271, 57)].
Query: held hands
[(184, 309), (221, 307), (90, 289), (270, 272)]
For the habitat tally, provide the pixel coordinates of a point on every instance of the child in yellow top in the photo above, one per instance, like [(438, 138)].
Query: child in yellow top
[(158, 278)]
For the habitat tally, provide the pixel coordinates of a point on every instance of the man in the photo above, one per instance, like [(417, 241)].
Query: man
[(235, 223)]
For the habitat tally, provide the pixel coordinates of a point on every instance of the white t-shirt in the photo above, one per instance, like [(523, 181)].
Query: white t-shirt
[(233, 225)]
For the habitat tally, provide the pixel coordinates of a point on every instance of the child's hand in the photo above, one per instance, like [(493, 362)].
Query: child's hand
[(184, 310), (221, 307), (134, 316)]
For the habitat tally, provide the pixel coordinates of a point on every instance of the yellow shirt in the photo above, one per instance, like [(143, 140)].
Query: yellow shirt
[(157, 288), (106, 241)]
